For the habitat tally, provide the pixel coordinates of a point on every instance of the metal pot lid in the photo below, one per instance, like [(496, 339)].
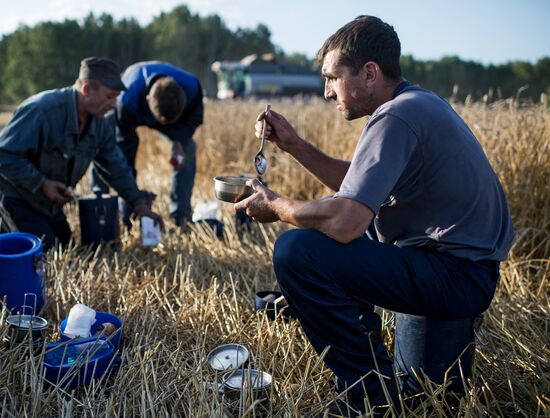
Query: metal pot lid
[(242, 379), (227, 357), (27, 321)]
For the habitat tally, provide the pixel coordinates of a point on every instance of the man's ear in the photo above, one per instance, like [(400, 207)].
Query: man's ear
[(85, 89), (371, 71), (148, 100)]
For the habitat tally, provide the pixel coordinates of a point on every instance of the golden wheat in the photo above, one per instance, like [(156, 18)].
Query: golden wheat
[(193, 292)]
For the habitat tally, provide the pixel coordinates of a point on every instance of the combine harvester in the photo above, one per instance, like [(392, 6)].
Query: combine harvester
[(263, 76)]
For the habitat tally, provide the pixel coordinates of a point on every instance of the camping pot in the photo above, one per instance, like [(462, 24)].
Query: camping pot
[(244, 387), (436, 348), (19, 327), (21, 270), (98, 215)]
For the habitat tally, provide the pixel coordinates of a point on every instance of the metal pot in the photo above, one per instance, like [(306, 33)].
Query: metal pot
[(19, 327), (244, 387)]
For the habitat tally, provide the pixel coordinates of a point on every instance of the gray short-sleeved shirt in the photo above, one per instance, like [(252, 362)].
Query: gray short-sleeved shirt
[(424, 174)]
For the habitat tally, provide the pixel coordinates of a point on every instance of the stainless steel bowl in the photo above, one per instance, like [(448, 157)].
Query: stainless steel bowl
[(232, 188)]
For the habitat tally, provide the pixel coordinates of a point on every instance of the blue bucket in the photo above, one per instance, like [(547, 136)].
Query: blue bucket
[(78, 362), (95, 329), (22, 272), (442, 350)]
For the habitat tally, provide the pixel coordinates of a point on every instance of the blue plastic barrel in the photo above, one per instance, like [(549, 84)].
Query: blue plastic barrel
[(442, 350), (21, 272)]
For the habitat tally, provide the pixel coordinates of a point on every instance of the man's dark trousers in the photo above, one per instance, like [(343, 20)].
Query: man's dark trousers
[(332, 289)]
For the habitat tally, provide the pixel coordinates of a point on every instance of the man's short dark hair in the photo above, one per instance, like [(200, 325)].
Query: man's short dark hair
[(167, 100), (366, 38)]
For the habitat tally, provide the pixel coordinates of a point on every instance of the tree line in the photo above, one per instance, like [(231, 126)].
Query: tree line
[(48, 54)]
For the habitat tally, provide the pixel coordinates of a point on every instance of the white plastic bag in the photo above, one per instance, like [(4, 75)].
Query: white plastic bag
[(80, 320)]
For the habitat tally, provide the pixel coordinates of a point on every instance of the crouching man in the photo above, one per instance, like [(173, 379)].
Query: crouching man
[(420, 176)]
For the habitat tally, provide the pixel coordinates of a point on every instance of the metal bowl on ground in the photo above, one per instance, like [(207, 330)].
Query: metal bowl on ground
[(231, 188), (272, 303)]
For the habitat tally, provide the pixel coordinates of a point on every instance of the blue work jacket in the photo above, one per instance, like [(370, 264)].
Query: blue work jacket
[(133, 111)]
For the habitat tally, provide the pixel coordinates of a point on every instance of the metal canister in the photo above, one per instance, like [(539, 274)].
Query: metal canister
[(244, 388), (20, 326)]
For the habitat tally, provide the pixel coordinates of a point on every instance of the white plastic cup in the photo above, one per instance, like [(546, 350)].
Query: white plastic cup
[(80, 321)]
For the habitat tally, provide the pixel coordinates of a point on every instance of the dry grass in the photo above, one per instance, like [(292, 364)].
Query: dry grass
[(193, 292)]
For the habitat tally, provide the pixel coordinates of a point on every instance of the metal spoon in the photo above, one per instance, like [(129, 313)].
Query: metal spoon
[(260, 163)]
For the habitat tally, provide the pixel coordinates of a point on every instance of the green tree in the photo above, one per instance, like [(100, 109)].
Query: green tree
[(194, 43)]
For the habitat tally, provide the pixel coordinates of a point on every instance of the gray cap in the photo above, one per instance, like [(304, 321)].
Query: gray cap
[(103, 70)]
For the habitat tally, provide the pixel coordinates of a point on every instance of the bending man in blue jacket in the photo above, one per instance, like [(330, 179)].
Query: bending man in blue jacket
[(168, 99)]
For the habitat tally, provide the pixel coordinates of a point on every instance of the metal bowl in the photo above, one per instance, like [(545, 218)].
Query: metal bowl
[(268, 301), (232, 188)]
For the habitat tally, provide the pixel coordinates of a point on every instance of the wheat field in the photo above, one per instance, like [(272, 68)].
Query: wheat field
[(193, 292)]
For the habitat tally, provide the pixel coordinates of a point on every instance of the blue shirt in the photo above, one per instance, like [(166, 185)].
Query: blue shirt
[(421, 170), (133, 110), (43, 141)]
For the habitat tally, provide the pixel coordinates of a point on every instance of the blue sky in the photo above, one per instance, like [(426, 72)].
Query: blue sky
[(486, 31)]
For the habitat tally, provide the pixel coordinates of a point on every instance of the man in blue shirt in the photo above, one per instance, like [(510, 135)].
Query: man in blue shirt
[(164, 97), (49, 144), (420, 177)]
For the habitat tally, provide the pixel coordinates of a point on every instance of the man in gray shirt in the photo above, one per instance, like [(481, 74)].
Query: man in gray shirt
[(49, 144), (419, 176)]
